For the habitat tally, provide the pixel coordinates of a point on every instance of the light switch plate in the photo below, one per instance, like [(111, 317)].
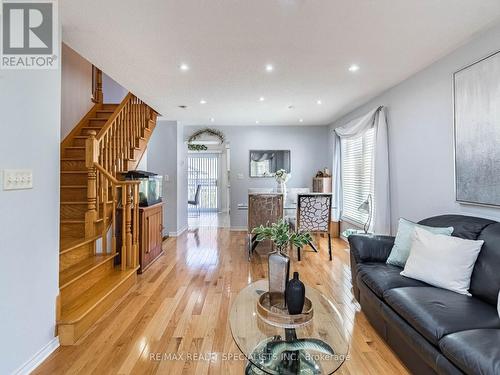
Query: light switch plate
[(17, 179)]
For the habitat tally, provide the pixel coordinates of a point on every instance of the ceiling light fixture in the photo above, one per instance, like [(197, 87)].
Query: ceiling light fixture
[(269, 68), (261, 99), (353, 68), (257, 121), (291, 106), (184, 67), (301, 120), (212, 119), (319, 102), (203, 101)]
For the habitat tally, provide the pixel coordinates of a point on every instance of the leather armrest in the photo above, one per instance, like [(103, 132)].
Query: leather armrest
[(367, 248), (370, 248)]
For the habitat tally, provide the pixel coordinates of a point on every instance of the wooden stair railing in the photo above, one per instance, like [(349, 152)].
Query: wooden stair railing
[(126, 194), (98, 256), (108, 153)]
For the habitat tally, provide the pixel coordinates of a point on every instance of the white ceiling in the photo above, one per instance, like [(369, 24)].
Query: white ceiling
[(227, 43)]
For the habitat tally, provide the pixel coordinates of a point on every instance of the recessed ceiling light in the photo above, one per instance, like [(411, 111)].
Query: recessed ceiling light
[(203, 101), (319, 102), (301, 120), (269, 68), (261, 99), (257, 121), (212, 119), (183, 106), (184, 67), (353, 68)]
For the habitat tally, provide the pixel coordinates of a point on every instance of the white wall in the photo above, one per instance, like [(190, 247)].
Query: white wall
[(420, 117), (310, 151), (182, 182), (30, 120), (143, 163), (112, 91), (76, 87), (162, 159)]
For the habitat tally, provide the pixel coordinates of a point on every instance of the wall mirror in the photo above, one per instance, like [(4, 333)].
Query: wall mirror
[(265, 163)]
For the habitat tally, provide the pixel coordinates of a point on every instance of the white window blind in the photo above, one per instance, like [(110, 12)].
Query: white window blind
[(357, 175)]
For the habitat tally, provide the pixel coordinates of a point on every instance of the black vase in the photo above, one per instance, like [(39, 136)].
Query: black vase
[(295, 295)]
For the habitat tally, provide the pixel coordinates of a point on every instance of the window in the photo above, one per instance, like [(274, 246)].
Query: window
[(357, 174)]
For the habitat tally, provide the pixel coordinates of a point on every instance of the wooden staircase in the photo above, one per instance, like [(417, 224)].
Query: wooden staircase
[(94, 270)]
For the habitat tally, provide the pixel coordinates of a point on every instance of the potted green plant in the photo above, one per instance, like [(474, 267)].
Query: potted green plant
[(279, 262)]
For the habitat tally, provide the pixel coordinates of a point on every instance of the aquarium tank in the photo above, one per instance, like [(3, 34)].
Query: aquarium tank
[(150, 188)]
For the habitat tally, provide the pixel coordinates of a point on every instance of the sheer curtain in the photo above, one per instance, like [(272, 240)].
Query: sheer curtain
[(376, 119)]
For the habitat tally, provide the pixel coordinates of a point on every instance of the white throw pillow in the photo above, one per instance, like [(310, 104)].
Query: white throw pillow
[(443, 261)]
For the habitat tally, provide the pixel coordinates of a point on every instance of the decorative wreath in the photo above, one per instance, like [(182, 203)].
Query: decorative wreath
[(197, 134)]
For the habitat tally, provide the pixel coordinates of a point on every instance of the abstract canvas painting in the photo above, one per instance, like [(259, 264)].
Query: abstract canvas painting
[(477, 132)]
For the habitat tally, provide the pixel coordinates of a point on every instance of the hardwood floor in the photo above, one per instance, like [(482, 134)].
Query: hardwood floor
[(181, 306)]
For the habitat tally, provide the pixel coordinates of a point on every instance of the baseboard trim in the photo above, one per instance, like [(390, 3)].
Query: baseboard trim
[(178, 233), (239, 229), (38, 358)]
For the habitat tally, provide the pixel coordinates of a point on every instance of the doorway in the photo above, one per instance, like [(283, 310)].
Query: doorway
[(203, 183), (206, 175)]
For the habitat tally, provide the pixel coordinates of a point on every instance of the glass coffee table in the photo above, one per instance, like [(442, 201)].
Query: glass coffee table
[(319, 346)]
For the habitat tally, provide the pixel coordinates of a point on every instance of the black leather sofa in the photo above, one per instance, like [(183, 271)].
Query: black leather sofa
[(432, 330)]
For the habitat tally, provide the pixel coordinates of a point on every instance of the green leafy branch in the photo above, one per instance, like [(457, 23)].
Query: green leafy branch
[(196, 147), (281, 235)]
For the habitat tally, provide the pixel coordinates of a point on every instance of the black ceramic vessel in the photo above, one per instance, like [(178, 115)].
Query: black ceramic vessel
[(295, 294)]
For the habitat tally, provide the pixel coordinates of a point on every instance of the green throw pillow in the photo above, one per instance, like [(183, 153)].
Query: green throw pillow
[(402, 244)]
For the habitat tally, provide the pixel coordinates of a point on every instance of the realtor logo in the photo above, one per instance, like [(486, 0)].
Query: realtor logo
[(29, 34)]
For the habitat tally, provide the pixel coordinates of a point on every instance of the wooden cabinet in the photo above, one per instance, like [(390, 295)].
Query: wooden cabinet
[(150, 235)]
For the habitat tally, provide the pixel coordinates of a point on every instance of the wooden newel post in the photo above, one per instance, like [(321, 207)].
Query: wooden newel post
[(91, 157), (135, 225), (128, 227)]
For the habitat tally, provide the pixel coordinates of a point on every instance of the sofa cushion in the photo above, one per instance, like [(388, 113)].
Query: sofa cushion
[(436, 312), (485, 280), (404, 238), (468, 227), (442, 261), (380, 277), (474, 352)]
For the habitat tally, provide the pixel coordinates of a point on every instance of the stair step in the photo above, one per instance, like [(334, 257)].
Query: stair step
[(87, 128), (74, 151), (72, 228), (73, 193), (72, 158), (79, 141), (75, 250), (73, 164), (97, 122), (82, 268), (77, 317), (73, 211), (109, 106), (106, 113), (74, 177), (73, 186), (68, 245)]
